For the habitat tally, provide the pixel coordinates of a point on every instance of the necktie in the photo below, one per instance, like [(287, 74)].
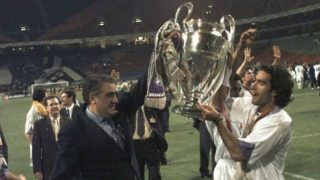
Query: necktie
[(68, 112), (140, 123), (116, 132), (55, 127)]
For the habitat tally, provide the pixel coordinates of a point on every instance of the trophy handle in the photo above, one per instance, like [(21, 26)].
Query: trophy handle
[(189, 6), (228, 21)]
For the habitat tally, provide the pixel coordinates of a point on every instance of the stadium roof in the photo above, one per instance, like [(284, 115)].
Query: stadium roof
[(42, 20)]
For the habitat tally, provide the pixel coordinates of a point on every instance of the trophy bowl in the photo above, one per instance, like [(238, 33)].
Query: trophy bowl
[(203, 60)]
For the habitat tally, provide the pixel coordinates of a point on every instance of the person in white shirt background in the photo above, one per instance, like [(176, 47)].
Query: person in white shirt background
[(36, 112), (299, 76), (292, 72)]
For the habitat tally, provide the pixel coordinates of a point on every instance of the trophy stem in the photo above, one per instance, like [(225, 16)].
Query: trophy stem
[(188, 111)]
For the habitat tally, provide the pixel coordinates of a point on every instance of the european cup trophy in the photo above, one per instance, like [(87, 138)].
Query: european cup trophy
[(203, 59)]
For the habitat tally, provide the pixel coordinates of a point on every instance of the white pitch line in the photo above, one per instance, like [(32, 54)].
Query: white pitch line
[(298, 176), (304, 136)]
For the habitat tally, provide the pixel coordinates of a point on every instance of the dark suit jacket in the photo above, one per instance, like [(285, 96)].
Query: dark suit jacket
[(75, 111), (88, 152), (158, 132), (4, 147), (44, 145), (157, 136)]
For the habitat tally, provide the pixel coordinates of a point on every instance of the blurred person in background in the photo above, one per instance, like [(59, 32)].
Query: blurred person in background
[(318, 80), (70, 108), (205, 146), (245, 73), (306, 78), (3, 145), (292, 72), (299, 76), (36, 112), (5, 174), (312, 77), (148, 141)]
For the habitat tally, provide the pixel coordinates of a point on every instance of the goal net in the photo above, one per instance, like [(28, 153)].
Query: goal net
[(51, 87)]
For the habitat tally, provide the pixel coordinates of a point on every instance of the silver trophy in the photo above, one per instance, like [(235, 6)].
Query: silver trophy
[(203, 59)]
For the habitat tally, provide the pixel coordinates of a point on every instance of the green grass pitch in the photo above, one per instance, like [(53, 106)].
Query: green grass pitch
[(303, 160)]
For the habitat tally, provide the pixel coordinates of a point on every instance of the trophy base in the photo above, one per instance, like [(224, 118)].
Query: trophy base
[(187, 111)]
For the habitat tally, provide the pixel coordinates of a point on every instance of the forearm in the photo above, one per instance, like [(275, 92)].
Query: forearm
[(236, 52), (11, 176), (29, 138), (276, 61), (230, 142), (130, 101), (241, 68), (276, 54), (209, 113)]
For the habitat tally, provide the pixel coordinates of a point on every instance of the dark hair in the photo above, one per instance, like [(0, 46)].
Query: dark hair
[(39, 95), (70, 93), (92, 85), (281, 82), (246, 69), (50, 97)]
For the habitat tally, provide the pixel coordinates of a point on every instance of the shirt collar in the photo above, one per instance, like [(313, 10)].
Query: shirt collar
[(70, 107), (51, 118), (93, 117)]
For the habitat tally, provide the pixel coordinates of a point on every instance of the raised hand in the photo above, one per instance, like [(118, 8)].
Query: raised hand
[(244, 38), (276, 51), (246, 35), (247, 55), (276, 54)]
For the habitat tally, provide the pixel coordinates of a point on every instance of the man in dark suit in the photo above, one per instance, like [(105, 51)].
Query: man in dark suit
[(148, 141), (206, 145), (4, 171), (97, 144), (44, 140), (70, 108)]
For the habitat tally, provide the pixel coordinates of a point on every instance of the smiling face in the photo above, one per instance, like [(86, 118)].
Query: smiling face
[(247, 78), (53, 107), (262, 95), (104, 103)]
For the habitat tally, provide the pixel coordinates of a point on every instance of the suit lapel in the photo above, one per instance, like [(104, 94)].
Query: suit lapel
[(63, 121), (95, 127), (75, 110), (50, 129)]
